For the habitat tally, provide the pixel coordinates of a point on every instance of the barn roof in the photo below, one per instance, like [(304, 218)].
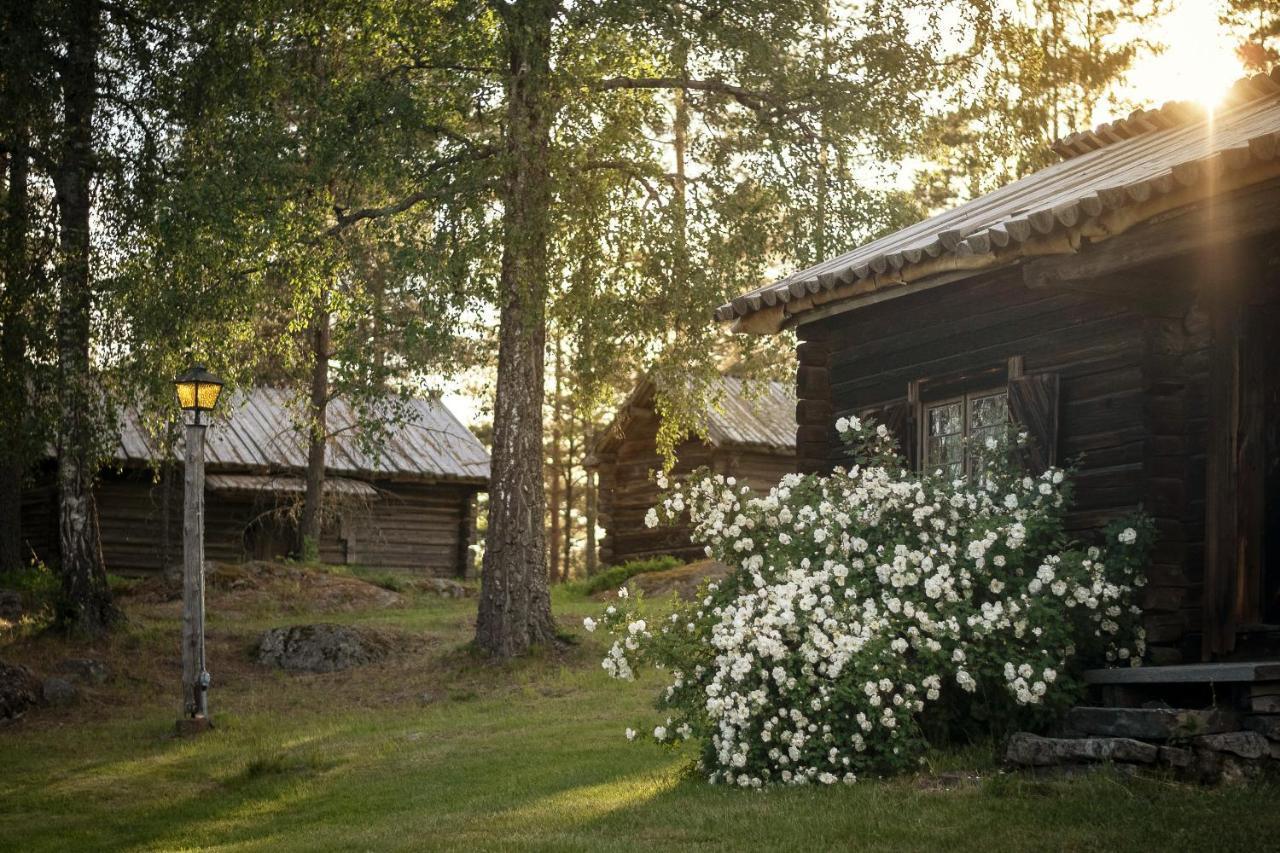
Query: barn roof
[(258, 431), (748, 414), (1110, 179)]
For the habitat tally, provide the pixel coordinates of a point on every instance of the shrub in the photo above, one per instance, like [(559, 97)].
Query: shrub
[(873, 608), (615, 576)]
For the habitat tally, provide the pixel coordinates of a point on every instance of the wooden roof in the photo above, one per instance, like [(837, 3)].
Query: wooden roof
[(1111, 178), (747, 414), (257, 430)]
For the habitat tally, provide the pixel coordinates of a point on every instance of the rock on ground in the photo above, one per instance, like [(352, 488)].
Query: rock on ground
[(1028, 750), (1149, 723), (19, 690), (84, 671), (59, 691), (1243, 744), (11, 608), (322, 647)]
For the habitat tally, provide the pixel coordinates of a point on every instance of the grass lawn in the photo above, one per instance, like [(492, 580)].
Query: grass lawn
[(437, 750)]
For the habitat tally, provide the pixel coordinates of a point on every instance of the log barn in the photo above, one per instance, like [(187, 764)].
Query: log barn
[(1123, 304), (404, 499), (750, 434)]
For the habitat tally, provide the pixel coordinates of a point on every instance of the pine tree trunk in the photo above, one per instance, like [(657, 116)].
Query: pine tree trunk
[(14, 403), (591, 555), (86, 596), (515, 600), (568, 516), (554, 492), (13, 379), (309, 527)]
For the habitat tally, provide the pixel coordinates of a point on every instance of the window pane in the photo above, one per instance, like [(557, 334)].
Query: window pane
[(991, 410), (946, 420)]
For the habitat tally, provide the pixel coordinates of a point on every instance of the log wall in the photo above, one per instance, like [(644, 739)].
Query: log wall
[(1122, 404), (627, 491), (424, 528)]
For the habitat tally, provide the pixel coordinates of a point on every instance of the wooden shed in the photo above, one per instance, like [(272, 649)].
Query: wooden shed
[(750, 435), (402, 500), (1124, 305)]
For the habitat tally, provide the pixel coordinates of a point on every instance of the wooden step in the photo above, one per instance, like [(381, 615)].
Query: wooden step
[(1188, 673)]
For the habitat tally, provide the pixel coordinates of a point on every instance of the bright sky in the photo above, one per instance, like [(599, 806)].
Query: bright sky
[(1199, 62)]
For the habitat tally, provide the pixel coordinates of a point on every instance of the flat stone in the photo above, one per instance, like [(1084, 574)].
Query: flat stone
[(321, 648), (1029, 750), (59, 691), (1267, 725), (1173, 756), (1243, 744), (84, 670), (1149, 723), (19, 690)]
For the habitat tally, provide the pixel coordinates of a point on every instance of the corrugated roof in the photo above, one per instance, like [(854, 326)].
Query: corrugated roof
[(1127, 164), (258, 429), (748, 414)]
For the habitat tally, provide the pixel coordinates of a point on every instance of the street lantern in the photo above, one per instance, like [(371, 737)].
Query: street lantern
[(197, 391)]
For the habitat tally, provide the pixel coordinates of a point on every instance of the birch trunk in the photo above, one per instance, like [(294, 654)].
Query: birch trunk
[(515, 600), (87, 598)]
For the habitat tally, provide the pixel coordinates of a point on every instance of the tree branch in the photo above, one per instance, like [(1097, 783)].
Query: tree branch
[(750, 98)]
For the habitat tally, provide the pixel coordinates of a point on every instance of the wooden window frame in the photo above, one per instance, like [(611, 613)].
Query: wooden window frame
[(924, 407)]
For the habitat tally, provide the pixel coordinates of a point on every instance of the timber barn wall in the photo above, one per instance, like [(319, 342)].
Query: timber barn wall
[(425, 528), (626, 490)]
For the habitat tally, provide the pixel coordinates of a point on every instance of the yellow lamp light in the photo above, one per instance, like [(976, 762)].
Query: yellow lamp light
[(198, 390)]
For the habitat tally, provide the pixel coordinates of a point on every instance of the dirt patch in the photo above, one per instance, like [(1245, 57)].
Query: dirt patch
[(287, 587), (682, 581)]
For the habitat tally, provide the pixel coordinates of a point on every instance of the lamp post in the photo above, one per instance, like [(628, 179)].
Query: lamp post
[(198, 391)]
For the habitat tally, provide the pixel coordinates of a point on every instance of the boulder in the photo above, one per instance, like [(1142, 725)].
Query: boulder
[(322, 647), (1028, 750), (1266, 725), (444, 586), (1244, 744), (19, 690), (84, 671), (11, 608), (1149, 723), (59, 691), (1173, 756)]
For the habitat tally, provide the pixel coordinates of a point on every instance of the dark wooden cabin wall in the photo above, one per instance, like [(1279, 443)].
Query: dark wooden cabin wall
[(961, 337), (627, 492), (1130, 404)]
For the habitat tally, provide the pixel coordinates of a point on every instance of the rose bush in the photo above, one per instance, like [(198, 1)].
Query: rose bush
[(874, 609)]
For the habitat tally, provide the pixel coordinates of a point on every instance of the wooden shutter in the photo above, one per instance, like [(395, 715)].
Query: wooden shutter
[(1033, 404), (900, 419)]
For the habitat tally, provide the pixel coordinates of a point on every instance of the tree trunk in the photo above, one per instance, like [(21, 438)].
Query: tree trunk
[(86, 597), (310, 524), (568, 511), (591, 555), (515, 600), (14, 403), (13, 378), (554, 493)]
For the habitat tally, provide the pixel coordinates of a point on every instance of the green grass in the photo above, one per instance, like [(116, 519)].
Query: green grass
[(444, 751), (613, 577)]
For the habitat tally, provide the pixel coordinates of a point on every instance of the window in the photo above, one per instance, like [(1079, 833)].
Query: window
[(949, 424)]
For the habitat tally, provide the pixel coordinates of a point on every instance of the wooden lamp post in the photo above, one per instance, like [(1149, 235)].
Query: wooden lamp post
[(198, 391)]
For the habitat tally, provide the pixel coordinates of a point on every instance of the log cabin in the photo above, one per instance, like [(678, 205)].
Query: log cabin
[(403, 499), (1123, 305), (750, 435)]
